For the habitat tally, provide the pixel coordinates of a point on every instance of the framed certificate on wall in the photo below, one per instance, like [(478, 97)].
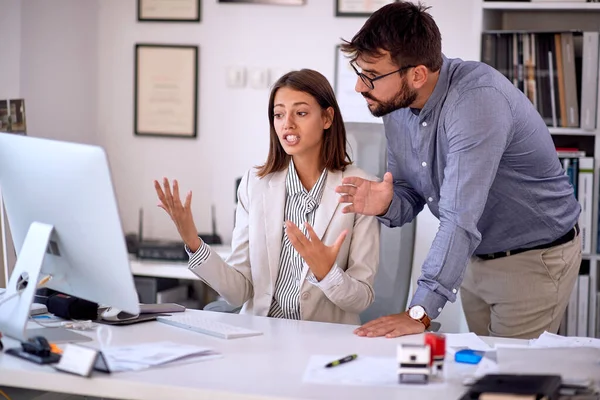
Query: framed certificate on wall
[(276, 2), (166, 90), (358, 8), (168, 10)]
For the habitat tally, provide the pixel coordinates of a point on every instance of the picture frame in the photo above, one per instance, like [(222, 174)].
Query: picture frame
[(359, 8), (168, 10), (166, 90), (12, 116), (272, 2)]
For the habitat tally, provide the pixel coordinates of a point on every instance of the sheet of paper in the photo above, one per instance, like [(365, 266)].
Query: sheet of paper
[(364, 371), (146, 355), (458, 341), (573, 363), (548, 339)]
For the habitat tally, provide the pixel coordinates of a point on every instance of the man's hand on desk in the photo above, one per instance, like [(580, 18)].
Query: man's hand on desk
[(319, 257), (180, 213), (391, 326)]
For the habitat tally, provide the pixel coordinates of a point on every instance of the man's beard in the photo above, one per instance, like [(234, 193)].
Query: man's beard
[(403, 99)]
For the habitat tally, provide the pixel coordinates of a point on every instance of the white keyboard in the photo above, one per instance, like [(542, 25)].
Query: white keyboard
[(207, 326)]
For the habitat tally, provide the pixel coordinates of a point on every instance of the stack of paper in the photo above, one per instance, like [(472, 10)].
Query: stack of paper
[(548, 339), (459, 341), (146, 355)]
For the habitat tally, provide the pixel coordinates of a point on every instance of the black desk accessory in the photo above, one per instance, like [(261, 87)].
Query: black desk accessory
[(537, 386), (37, 350)]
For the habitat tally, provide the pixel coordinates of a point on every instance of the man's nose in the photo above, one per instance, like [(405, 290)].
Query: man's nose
[(360, 86)]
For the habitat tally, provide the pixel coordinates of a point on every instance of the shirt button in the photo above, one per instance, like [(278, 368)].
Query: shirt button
[(424, 123), (453, 290), (440, 309), (430, 199), (305, 296), (424, 164)]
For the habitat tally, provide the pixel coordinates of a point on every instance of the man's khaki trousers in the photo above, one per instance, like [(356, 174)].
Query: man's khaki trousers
[(522, 295)]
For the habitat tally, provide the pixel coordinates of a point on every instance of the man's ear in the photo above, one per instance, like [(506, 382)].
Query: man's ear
[(328, 117), (420, 73)]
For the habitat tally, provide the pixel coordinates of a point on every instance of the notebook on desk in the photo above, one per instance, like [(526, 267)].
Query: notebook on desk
[(138, 319)]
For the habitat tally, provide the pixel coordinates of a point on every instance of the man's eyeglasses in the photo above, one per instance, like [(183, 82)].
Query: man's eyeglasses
[(370, 82)]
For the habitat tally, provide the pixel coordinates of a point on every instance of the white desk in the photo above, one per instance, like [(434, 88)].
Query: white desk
[(171, 269), (270, 366)]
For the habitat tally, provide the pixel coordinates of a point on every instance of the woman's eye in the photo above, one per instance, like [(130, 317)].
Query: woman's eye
[(277, 115), (302, 113)]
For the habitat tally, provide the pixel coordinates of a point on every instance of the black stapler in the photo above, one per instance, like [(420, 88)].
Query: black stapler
[(36, 349)]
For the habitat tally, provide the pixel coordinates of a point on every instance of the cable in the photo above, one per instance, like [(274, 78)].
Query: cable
[(7, 298), (58, 323), (4, 395), (41, 284)]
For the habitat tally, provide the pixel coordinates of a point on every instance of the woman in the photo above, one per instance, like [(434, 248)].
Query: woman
[(294, 253)]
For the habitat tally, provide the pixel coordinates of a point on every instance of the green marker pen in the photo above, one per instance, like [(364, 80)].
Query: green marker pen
[(341, 361)]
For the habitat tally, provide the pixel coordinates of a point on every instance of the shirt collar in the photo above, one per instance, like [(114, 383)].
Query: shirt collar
[(441, 87), (294, 186)]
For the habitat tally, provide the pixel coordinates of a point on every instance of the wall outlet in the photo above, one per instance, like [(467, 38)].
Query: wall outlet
[(258, 78), (236, 77)]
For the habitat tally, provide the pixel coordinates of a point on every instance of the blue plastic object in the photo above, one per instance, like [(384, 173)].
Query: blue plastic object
[(468, 356)]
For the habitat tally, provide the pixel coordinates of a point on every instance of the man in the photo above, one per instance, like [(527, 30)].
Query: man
[(463, 140)]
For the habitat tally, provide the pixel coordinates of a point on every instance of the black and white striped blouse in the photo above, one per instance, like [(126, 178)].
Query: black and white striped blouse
[(300, 207)]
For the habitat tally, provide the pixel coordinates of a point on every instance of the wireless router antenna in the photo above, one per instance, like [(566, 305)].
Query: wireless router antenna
[(213, 220), (140, 225)]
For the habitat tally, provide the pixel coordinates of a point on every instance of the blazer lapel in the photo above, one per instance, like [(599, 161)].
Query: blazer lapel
[(329, 203), (273, 209)]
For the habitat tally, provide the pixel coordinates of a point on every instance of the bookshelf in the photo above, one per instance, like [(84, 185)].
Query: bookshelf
[(532, 18)]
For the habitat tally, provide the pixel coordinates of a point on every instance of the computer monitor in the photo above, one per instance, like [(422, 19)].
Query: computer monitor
[(63, 215)]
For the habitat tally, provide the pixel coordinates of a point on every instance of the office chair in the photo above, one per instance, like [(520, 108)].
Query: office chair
[(222, 306), (392, 281)]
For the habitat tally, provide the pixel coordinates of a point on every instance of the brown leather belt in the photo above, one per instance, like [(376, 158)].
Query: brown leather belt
[(567, 237)]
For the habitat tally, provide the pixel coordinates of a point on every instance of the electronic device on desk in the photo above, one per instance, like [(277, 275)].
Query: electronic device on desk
[(197, 323), (61, 209), (166, 250)]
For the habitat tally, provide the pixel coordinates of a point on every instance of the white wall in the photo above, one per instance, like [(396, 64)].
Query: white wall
[(233, 125), (10, 48), (58, 68)]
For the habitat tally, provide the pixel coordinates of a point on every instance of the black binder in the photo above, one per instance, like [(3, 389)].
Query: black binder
[(538, 386)]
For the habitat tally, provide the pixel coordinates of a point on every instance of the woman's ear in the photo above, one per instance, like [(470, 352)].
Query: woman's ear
[(328, 117)]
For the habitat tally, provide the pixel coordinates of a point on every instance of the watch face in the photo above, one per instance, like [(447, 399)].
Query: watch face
[(417, 312)]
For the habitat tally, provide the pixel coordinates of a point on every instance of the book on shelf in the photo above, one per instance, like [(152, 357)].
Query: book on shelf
[(557, 71), (580, 170), (583, 288), (581, 303)]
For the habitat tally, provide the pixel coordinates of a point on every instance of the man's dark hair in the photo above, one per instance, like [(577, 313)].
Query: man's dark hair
[(404, 29)]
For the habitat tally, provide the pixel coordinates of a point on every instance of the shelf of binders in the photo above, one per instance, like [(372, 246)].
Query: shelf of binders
[(541, 5), (554, 58), (571, 131)]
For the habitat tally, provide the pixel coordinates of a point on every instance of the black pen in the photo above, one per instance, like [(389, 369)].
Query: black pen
[(342, 361)]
